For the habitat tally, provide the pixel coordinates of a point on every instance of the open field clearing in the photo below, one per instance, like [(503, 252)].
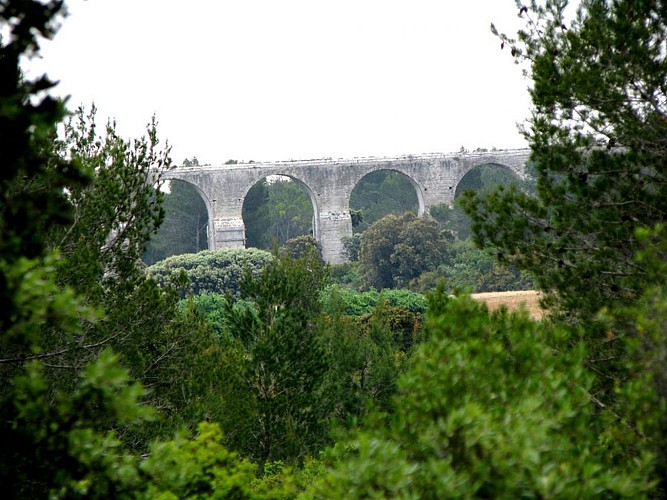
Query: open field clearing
[(513, 300)]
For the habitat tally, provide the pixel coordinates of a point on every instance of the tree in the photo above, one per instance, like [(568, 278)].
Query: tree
[(200, 467), (361, 303), (276, 408), (67, 447), (300, 246), (100, 252), (642, 329), (363, 339), (117, 212), (352, 246), (483, 179), (421, 248), (291, 209), (491, 407), (466, 267), (395, 250), (598, 136), (366, 356)]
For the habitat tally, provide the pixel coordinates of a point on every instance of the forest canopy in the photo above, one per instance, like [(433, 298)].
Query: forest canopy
[(117, 385)]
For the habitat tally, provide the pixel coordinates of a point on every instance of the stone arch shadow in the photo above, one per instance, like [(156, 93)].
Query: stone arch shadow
[(421, 203), (519, 176), (210, 231)]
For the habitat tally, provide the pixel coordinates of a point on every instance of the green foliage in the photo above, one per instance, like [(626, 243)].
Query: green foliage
[(164, 348), (116, 214), (357, 217), (347, 275), (492, 406), (352, 246), (364, 356), (199, 468), (467, 267), (185, 225), (597, 136), (378, 194), (57, 444), (215, 271), (395, 250), (64, 448), (358, 304), (180, 365), (366, 359), (452, 219), (274, 212), (37, 300), (641, 391), (255, 214), (367, 337), (210, 306), (483, 180), (404, 325), (64, 395), (276, 366), (598, 143), (28, 117), (300, 247), (213, 307), (291, 364)]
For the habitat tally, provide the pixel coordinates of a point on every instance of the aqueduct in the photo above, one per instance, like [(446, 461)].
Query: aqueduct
[(329, 184)]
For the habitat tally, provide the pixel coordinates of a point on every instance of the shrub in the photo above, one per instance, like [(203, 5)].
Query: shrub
[(357, 304), (217, 271)]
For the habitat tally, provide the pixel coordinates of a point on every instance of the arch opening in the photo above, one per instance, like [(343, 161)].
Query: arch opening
[(483, 179), (277, 209), (186, 224), (380, 193)]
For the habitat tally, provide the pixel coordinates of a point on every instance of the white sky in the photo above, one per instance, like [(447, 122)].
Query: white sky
[(295, 79)]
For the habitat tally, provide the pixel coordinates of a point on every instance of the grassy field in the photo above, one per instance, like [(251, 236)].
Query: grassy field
[(513, 300)]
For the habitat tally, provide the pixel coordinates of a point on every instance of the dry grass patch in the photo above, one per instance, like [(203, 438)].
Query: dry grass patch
[(513, 300)]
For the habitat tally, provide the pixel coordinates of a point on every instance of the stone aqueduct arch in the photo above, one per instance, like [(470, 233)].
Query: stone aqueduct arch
[(329, 184)]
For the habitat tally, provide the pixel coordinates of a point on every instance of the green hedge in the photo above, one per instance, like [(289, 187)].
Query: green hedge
[(335, 298), (216, 271)]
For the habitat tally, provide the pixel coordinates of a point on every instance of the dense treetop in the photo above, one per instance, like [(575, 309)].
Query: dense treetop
[(598, 137)]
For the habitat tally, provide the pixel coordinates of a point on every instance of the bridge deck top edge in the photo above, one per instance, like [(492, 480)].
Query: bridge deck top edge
[(363, 160)]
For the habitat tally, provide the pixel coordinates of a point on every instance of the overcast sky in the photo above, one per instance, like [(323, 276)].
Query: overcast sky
[(296, 79)]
